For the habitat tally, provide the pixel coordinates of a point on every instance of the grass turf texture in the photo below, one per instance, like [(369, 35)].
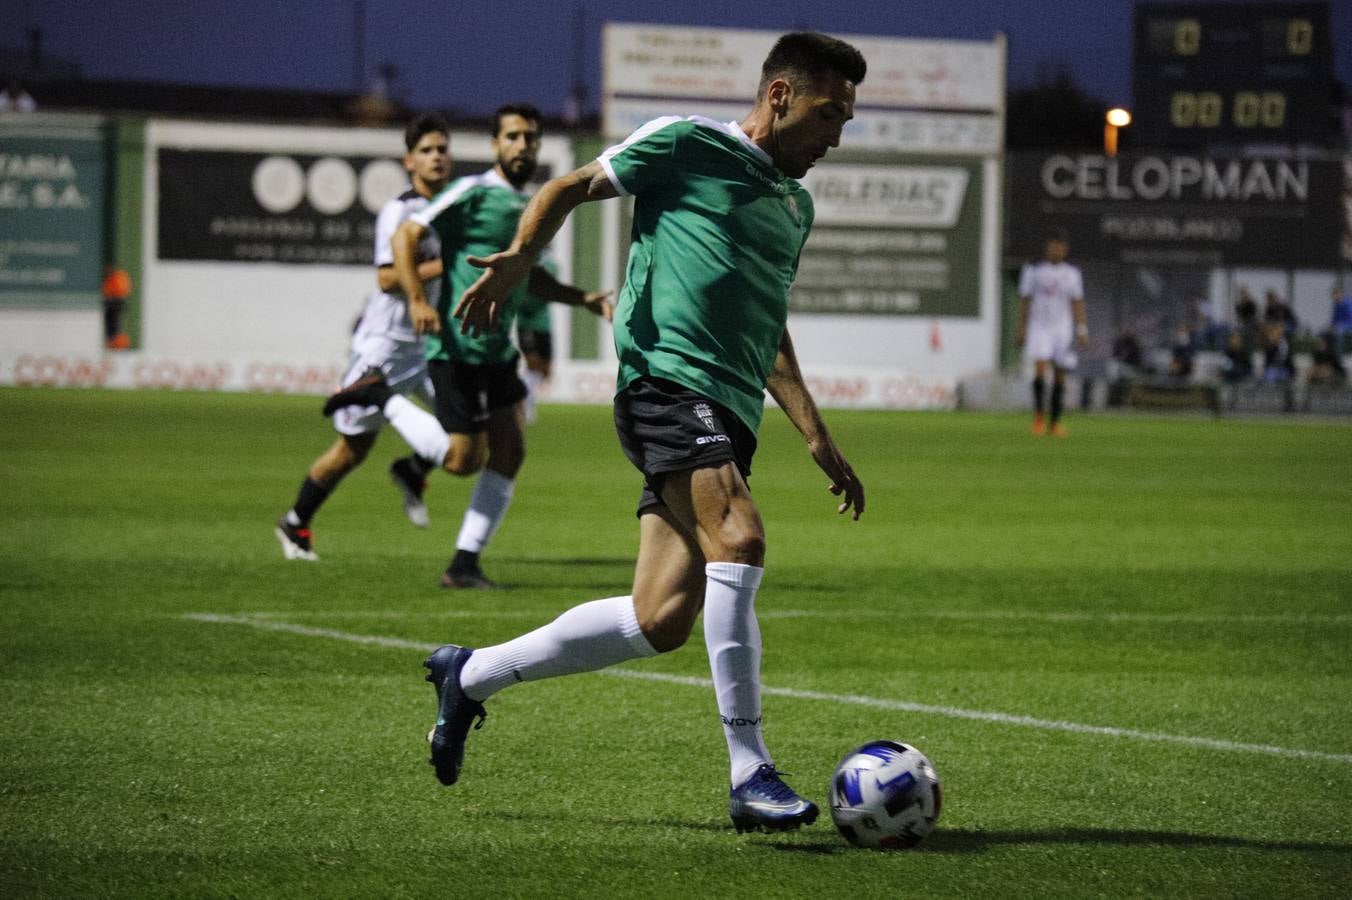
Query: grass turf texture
[(1170, 576)]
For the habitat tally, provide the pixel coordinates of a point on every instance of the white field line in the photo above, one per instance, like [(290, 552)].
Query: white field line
[(1016, 615), (951, 712), (908, 612)]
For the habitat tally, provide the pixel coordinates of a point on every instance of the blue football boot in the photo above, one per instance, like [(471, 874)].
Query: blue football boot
[(765, 803), (455, 711)]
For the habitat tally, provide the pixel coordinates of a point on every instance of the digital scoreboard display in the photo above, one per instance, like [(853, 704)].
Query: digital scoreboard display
[(1235, 73)]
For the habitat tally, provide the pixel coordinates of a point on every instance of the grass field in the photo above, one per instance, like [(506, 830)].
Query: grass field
[(1129, 655)]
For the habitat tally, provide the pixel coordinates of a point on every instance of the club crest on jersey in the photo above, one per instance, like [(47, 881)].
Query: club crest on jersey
[(792, 202)]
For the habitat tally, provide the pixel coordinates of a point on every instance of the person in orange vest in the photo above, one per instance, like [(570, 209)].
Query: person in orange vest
[(116, 290)]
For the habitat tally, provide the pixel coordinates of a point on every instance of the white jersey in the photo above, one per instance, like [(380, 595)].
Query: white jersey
[(386, 314), (1051, 289), (384, 338)]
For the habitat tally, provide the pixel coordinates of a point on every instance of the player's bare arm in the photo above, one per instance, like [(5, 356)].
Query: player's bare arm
[(388, 280), (404, 245), (1081, 322), (482, 303), (786, 385), (1022, 334), (543, 284)]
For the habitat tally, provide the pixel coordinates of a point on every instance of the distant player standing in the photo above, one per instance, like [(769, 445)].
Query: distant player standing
[(719, 224), (386, 339), (478, 392), (1052, 325)]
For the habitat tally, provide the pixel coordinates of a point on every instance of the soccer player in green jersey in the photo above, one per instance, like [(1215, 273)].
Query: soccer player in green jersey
[(719, 223), (479, 422)]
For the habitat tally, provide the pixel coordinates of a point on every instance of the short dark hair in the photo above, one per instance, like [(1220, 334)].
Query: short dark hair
[(427, 123), (804, 56), (524, 110), (1057, 233)]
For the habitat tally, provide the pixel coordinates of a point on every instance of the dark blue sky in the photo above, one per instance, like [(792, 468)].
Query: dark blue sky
[(474, 54)]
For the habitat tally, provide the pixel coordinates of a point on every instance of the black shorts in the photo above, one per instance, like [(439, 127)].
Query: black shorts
[(541, 343), (466, 393), (664, 427)]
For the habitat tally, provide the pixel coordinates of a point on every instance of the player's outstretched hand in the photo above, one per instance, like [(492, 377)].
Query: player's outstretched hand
[(844, 483), (598, 303), (481, 305), (424, 317)]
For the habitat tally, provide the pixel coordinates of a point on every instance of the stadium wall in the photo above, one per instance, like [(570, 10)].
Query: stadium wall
[(250, 264), (249, 247)]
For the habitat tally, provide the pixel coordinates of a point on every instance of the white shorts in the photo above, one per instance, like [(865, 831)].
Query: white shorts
[(405, 368), (1057, 346)]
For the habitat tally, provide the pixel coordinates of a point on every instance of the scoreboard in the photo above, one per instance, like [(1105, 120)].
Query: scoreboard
[(1235, 73)]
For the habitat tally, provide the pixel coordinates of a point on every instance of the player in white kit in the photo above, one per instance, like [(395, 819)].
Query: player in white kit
[(387, 339), (1052, 326)]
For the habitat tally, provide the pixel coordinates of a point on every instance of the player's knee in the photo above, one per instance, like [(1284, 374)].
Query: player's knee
[(667, 624), (507, 462), (742, 542), (348, 454), (465, 461), (667, 632)]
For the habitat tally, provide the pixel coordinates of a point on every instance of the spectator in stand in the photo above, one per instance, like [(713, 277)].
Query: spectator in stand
[(1180, 354), (1238, 363), (1127, 353), (1276, 310), (1246, 318), (1340, 323), (1278, 364), (1327, 365), (1207, 334)]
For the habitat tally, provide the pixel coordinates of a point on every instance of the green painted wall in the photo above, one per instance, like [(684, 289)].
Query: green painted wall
[(127, 168), (585, 339)]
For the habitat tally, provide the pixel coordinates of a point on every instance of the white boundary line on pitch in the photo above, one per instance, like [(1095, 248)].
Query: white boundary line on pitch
[(976, 615), (1018, 615), (951, 712)]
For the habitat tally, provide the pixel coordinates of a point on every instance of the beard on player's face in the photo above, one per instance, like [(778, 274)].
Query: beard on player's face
[(519, 168)]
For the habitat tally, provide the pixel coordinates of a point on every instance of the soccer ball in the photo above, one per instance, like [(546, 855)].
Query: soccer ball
[(885, 795)]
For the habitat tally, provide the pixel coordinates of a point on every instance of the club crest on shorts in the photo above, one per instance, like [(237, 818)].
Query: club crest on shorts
[(706, 415)]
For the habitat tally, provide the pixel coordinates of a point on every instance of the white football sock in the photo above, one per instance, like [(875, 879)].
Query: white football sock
[(732, 636), (533, 380), (585, 638), (487, 507), (418, 427)]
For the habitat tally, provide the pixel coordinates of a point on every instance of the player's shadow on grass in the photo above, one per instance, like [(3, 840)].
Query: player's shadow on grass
[(628, 823), (593, 572), (963, 840)]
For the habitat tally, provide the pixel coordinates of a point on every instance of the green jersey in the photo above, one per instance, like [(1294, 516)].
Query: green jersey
[(474, 216), (718, 231)]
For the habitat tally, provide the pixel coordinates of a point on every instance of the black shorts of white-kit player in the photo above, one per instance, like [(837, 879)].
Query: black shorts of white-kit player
[(664, 427), (467, 393)]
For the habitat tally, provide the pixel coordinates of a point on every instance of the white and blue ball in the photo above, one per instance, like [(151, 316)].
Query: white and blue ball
[(885, 795)]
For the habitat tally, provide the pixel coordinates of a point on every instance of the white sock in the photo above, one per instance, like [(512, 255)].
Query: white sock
[(585, 638), (418, 427), (732, 636), (533, 380), (487, 507)]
